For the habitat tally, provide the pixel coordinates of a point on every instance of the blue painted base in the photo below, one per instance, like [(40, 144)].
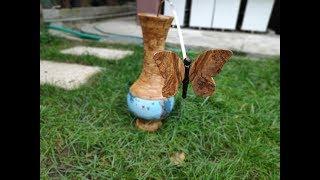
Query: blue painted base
[(150, 109)]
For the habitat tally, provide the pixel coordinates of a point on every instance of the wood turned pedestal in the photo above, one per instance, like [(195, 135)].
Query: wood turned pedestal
[(149, 126)]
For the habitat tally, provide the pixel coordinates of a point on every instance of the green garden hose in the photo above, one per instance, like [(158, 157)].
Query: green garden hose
[(75, 32)]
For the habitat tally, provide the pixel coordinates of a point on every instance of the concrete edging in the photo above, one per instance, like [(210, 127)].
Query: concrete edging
[(88, 13)]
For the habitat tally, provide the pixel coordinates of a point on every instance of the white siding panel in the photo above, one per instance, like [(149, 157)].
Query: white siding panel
[(180, 6), (257, 15), (201, 13), (226, 14)]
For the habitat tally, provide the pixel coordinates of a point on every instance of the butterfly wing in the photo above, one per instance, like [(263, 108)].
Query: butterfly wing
[(171, 69), (206, 66)]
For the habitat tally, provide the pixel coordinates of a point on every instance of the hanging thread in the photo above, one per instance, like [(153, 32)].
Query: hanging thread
[(183, 49)]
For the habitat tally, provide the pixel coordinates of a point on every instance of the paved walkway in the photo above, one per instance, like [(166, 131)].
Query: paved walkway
[(104, 53), (65, 75), (257, 44), (71, 76)]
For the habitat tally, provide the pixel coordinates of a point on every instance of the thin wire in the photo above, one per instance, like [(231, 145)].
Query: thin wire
[(183, 49)]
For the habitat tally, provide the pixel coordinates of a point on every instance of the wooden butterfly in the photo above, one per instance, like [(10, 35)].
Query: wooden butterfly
[(199, 73)]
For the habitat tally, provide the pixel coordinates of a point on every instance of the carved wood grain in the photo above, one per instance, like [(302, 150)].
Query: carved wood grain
[(171, 69), (154, 30), (204, 68)]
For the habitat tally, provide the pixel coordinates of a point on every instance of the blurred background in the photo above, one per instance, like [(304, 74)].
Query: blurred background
[(244, 26), (236, 15)]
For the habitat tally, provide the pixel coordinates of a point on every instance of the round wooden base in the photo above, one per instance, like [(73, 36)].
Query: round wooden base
[(149, 126)]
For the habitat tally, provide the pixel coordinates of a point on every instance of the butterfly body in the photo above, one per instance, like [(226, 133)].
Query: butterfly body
[(199, 73), (185, 81)]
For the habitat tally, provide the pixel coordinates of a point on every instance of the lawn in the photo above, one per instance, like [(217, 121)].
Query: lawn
[(89, 133)]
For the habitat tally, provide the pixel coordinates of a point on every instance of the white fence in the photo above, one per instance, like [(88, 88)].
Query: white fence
[(224, 14), (180, 6), (257, 15)]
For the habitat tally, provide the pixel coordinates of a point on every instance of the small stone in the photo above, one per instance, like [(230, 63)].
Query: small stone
[(177, 158)]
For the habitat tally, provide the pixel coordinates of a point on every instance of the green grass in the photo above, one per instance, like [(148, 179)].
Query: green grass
[(89, 133)]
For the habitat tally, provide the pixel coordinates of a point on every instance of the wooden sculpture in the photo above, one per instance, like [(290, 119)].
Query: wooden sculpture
[(151, 97), (199, 73), (145, 99)]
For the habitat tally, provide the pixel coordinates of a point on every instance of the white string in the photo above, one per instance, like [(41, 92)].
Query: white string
[(183, 49)]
